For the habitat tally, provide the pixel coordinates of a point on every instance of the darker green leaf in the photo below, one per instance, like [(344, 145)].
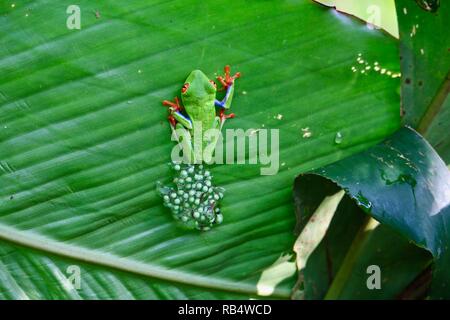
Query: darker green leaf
[(425, 63), (404, 185)]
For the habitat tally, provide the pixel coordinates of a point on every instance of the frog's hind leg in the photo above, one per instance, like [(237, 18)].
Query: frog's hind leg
[(228, 84), (225, 104), (183, 137), (226, 101), (176, 116), (181, 126)]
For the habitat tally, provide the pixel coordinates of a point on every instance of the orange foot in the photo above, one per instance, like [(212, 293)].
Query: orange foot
[(173, 107), (228, 80), (224, 116)]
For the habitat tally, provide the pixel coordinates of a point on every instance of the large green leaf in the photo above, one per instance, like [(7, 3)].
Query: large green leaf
[(83, 137), (403, 184), (425, 66), (437, 134)]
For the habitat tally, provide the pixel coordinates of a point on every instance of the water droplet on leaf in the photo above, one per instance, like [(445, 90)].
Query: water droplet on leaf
[(338, 138)]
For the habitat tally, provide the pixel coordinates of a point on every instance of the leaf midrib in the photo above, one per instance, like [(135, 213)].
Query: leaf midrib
[(42, 243)]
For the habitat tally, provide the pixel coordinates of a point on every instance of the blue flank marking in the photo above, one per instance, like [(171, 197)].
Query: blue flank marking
[(219, 103), (184, 117)]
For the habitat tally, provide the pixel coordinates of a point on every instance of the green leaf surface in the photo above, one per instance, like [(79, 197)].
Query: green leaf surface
[(437, 134), (84, 138), (29, 274), (404, 185), (425, 64)]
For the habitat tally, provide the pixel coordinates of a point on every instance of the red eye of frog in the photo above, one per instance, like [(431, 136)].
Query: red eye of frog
[(185, 87), (213, 83)]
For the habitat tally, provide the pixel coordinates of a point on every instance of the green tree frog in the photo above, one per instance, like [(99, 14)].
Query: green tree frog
[(197, 114)]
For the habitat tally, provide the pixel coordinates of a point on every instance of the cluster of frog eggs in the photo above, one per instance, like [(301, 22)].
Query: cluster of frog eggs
[(193, 200)]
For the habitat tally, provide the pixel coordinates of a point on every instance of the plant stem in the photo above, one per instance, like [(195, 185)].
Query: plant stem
[(346, 268), (435, 107)]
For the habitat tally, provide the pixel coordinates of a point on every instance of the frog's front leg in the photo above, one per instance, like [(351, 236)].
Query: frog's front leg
[(226, 101)]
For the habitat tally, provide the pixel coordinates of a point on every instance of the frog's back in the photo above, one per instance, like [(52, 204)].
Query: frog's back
[(204, 111), (198, 98)]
